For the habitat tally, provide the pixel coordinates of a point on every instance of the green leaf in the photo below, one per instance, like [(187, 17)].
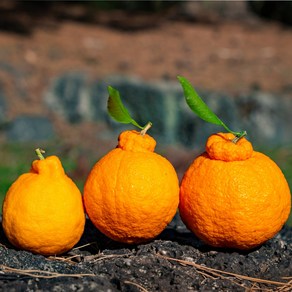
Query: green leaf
[(199, 107), (196, 104), (117, 110)]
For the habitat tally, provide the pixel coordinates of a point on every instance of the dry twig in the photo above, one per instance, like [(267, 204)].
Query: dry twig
[(40, 273), (4, 246), (137, 285), (100, 257), (64, 259), (287, 287), (281, 286), (84, 245)]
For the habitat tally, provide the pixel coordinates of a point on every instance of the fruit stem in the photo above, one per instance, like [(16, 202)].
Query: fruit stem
[(146, 128), (239, 136), (39, 152)]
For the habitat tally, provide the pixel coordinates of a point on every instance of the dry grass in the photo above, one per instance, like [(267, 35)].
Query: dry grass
[(284, 286), (137, 285), (204, 271), (40, 274)]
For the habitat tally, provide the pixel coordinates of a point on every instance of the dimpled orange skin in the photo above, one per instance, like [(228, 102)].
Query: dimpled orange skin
[(132, 193), (43, 210), (232, 196)]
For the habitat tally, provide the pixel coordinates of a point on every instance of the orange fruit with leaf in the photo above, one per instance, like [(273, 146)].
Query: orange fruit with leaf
[(231, 196), (132, 193), (43, 209)]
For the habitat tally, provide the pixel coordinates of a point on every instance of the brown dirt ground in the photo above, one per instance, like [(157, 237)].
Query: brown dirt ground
[(226, 56)]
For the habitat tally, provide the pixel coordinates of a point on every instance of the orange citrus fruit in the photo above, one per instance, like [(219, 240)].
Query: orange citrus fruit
[(132, 193), (232, 196), (43, 210)]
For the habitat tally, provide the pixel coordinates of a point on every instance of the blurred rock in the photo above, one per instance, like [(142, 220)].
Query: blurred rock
[(2, 107), (68, 96), (155, 102), (30, 128), (212, 11), (264, 116)]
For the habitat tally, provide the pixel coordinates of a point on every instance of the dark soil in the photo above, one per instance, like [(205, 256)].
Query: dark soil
[(175, 261)]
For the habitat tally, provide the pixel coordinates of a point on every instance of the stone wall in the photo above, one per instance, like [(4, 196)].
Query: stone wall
[(75, 100)]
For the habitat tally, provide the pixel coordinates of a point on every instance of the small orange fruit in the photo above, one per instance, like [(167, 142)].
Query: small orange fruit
[(232, 196), (132, 193), (43, 210)]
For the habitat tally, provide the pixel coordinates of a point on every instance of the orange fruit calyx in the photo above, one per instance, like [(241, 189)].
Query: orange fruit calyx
[(47, 166), (221, 146), (136, 142)]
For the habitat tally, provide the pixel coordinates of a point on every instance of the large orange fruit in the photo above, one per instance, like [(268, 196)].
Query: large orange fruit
[(232, 196), (132, 193), (43, 210)]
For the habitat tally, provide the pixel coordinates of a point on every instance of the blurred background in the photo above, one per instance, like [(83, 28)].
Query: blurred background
[(58, 57)]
